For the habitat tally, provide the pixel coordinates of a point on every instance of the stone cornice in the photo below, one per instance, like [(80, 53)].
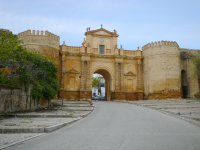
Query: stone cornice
[(101, 29), (130, 73), (103, 55), (73, 71), (103, 35)]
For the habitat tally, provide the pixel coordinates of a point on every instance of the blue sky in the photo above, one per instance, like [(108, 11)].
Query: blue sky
[(137, 22)]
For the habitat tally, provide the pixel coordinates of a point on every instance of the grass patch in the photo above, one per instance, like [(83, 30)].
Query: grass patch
[(71, 112), (197, 99), (27, 122), (26, 118), (11, 124)]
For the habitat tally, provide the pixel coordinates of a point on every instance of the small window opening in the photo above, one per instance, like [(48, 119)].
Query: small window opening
[(101, 47)]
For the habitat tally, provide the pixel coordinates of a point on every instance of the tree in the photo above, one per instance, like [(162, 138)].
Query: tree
[(32, 66), (10, 47), (96, 83)]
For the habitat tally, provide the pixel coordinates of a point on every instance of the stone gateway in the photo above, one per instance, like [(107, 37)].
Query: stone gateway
[(161, 70)]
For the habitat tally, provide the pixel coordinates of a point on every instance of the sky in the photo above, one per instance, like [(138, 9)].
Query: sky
[(137, 22)]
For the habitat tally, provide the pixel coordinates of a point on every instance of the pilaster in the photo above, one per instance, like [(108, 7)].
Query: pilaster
[(122, 76), (116, 77), (82, 75), (88, 75), (139, 79)]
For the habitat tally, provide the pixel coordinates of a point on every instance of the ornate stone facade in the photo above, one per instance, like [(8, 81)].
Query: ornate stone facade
[(153, 73)]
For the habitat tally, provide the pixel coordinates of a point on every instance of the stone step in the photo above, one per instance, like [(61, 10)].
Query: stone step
[(175, 107), (172, 104), (78, 108), (56, 103)]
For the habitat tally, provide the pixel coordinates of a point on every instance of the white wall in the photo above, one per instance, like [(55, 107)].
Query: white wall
[(94, 90)]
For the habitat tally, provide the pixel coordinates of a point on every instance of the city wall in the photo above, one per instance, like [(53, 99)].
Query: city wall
[(191, 80), (157, 71), (15, 99), (161, 70), (45, 42)]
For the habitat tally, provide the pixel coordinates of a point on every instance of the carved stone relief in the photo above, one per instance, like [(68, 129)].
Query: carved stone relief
[(72, 64)]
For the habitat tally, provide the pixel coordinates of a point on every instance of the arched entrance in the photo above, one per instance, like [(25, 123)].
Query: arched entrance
[(184, 83), (106, 75)]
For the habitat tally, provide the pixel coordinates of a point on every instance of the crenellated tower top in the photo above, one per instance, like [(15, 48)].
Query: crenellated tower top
[(162, 43), (37, 37), (39, 33)]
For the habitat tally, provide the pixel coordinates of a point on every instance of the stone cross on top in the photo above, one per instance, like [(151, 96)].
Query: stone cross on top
[(101, 25)]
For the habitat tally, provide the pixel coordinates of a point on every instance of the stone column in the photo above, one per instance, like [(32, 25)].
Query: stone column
[(88, 75), (122, 76), (82, 74), (139, 81), (116, 77)]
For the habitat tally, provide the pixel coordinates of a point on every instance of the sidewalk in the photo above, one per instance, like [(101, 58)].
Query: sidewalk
[(21, 126)]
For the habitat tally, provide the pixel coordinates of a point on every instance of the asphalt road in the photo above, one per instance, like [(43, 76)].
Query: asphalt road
[(120, 126)]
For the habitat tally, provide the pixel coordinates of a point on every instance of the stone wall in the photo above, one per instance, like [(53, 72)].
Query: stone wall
[(15, 99), (161, 70), (40, 38), (191, 81), (127, 74), (47, 43), (44, 42)]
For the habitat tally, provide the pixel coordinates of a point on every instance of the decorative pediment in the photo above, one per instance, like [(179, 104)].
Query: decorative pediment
[(74, 71), (130, 73), (101, 31)]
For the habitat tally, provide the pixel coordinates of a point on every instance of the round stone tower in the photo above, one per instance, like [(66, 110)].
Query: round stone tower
[(161, 70)]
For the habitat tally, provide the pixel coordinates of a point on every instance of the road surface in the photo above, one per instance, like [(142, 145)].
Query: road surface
[(120, 126)]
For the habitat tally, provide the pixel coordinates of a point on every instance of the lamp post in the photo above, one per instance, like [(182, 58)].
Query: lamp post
[(63, 71), (189, 86)]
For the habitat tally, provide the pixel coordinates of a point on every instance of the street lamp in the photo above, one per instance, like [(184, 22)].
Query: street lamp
[(189, 86), (63, 71)]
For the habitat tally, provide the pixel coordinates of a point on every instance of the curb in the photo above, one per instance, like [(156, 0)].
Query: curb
[(77, 106), (22, 130), (46, 116), (84, 115), (41, 116), (42, 129), (195, 118), (5, 146), (58, 126)]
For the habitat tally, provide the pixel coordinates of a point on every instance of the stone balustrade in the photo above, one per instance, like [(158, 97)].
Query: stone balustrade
[(73, 49), (129, 53)]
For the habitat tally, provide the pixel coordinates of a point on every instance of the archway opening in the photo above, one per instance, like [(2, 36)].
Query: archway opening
[(107, 83), (98, 87), (184, 83)]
